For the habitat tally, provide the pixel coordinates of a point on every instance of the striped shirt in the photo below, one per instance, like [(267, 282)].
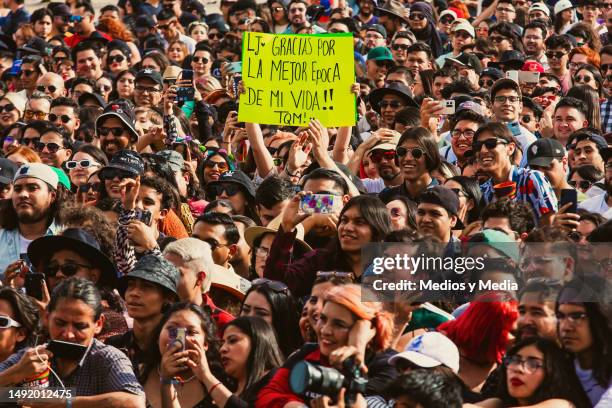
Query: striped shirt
[(531, 186)]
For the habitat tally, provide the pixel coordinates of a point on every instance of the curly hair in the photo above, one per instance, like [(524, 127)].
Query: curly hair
[(115, 28)]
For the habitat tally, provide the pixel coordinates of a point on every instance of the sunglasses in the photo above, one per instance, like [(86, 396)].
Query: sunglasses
[(605, 67), (276, 286), (95, 187), (398, 47), (112, 173), (84, 164), (378, 155), (222, 166), (113, 58), (229, 188), (76, 19), (7, 108), (64, 118), (51, 147), (391, 104), (68, 269), (416, 16), (116, 131), (43, 88), (30, 114), (30, 141), (203, 60), (583, 78), (555, 54), (582, 184), (416, 152), (490, 144), (485, 82), (27, 72), (212, 36), (447, 20), (164, 26), (6, 322)]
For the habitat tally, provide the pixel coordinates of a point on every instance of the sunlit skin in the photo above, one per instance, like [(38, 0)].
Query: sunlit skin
[(10, 336), (333, 327), (353, 231), (256, 305), (235, 351), (536, 317)]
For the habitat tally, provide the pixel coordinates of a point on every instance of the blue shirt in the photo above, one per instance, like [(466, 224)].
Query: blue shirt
[(10, 245), (11, 22)]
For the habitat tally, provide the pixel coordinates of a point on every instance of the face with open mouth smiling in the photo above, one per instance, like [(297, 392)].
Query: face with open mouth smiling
[(492, 152), (412, 163)]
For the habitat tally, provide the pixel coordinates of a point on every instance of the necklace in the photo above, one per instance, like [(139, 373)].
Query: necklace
[(178, 378)]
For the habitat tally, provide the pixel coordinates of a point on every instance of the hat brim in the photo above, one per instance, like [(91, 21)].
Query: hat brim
[(377, 95), (5, 180), (134, 134), (139, 274), (541, 161), (379, 10), (116, 166), (252, 233), (419, 359), (41, 249)]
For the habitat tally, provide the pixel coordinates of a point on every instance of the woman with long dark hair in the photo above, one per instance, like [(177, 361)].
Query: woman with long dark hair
[(470, 197), (249, 354), (590, 96), (273, 302), (363, 219)]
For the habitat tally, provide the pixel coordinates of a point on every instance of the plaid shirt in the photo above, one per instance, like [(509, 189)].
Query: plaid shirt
[(105, 369), (606, 116), (531, 186)]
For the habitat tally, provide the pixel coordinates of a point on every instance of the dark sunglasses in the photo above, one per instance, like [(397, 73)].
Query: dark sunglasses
[(95, 187), (43, 88), (390, 104), (497, 38), (415, 16), (447, 20), (112, 173), (230, 189), (379, 155), (116, 131), (215, 35), (485, 82), (276, 286), (490, 144), (9, 107), (203, 60), (68, 269), (416, 152), (30, 141), (76, 19), (582, 78), (27, 72), (113, 58), (222, 166), (605, 67), (555, 54), (582, 184), (398, 47), (64, 118), (51, 147)]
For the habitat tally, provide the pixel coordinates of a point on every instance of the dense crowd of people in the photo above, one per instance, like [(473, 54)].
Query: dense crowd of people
[(157, 252)]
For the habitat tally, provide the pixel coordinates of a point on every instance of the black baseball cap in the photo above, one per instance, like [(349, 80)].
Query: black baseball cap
[(236, 177), (469, 60), (124, 112), (85, 96), (151, 74), (543, 151), (378, 28), (146, 22), (445, 198), (126, 160), (154, 269), (8, 169)]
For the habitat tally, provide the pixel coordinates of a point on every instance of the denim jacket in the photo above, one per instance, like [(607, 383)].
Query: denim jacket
[(9, 245)]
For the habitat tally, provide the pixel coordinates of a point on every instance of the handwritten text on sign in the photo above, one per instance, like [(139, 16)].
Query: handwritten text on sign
[(290, 79)]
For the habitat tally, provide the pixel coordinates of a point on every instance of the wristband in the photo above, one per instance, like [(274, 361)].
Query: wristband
[(213, 388), (289, 174)]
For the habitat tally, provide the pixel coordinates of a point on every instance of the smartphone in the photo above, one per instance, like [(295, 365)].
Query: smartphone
[(320, 204), (569, 195), (235, 68), (178, 335), (449, 107), (144, 216), (515, 128), (529, 77), (33, 285), (513, 75), (185, 93), (67, 350), (237, 79)]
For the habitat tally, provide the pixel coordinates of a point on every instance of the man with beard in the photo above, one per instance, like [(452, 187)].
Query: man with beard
[(115, 128), (602, 204), (31, 214), (383, 157), (366, 12), (533, 40), (378, 63), (84, 27), (297, 17), (88, 63), (148, 88), (537, 309), (376, 36), (389, 100), (61, 18), (64, 114)]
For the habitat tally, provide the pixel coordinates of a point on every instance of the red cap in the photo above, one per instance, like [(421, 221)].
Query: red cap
[(533, 66)]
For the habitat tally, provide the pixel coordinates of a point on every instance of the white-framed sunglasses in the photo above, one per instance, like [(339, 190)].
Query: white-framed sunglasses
[(6, 322), (84, 164)]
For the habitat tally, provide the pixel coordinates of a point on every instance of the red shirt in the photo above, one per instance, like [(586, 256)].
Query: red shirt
[(73, 40), (220, 316)]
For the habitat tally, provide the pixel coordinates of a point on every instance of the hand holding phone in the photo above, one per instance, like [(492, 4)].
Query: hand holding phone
[(34, 285), (320, 204)]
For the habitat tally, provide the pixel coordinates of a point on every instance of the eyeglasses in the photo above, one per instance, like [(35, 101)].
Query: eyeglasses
[(6, 322), (555, 54), (276, 286), (212, 36), (573, 317), (490, 144), (64, 118), (222, 166), (51, 147), (30, 114), (416, 152), (214, 245), (497, 38), (116, 131), (148, 89), (113, 58), (84, 164), (95, 187), (581, 185), (27, 72), (416, 16), (111, 173), (43, 88), (30, 141), (379, 155), (68, 269), (390, 104), (485, 82), (583, 78), (398, 47), (230, 189), (467, 133), (503, 99), (9, 107), (605, 5), (538, 261), (203, 60), (529, 365)]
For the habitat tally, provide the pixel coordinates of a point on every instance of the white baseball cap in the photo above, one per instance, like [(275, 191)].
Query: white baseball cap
[(563, 5), (465, 27), (38, 171), (540, 7), (448, 13), (429, 350)]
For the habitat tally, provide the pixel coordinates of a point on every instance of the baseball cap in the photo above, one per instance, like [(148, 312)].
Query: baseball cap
[(127, 160), (122, 111), (431, 349), (467, 27), (563, 5), (539, 7), (146, 22), (445, 198), (380, 54), (155, 269), (59, 9), (86, 96), (36, 46), (236, 177), (174, 159), (18, 99), (543, 151), (494, 73), (39, 171), (151, 74), (378, 28), (533, 66), (501, 242), (7, 171), (467, 59), (390, 145), (448, 12), (579, 136), (62, 178)]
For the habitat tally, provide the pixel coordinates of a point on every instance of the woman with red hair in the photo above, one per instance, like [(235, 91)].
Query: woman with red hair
[(346, 328), (482, 334)]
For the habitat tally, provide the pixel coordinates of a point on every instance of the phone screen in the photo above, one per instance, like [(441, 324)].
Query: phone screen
[(67, 350), (569, 195), (33, 285)]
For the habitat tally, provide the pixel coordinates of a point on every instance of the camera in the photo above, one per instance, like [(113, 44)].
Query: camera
[(307, 377)]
